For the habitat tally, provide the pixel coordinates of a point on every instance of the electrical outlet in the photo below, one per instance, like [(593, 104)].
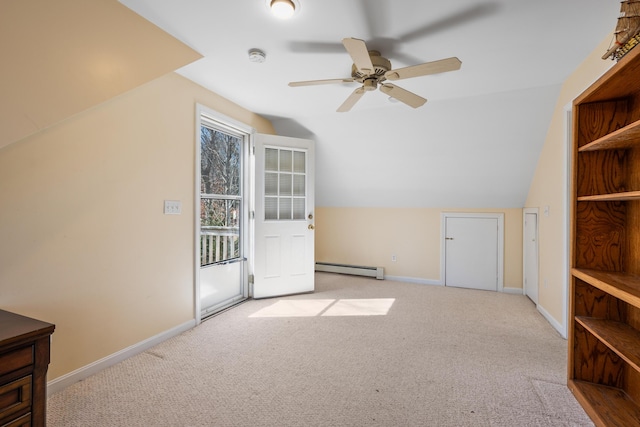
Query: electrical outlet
[(172, 207), (393, 258)]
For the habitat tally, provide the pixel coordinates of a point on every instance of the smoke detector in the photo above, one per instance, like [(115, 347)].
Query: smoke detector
[(256, 55)]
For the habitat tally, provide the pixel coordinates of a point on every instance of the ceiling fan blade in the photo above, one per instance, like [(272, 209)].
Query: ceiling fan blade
[(376, 17), (359, 53), (403, 95), (320, 82), (434, 67), (457, 19), (315, 47), (351, 100)]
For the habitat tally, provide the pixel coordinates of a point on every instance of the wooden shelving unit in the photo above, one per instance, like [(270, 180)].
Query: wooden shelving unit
[(604, 335)]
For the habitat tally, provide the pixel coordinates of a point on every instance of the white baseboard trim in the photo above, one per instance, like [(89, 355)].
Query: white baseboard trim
[(515, 291), (556, 325), (80, 374), (415, 280)]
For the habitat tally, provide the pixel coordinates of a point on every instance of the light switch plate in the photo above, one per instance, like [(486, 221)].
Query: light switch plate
[(172, 207)]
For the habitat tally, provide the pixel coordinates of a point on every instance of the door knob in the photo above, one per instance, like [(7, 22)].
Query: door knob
[(448, 238), (311, 227)]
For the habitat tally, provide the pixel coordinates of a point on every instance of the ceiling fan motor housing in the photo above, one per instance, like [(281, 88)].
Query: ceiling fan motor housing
[(370, 83), (380, 65)]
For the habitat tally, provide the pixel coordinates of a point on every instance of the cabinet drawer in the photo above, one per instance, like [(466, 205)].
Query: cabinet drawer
[(15, 396), (23, 421), (16, 359)]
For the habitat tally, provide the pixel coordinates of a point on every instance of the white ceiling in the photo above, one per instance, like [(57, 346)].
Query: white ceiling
[(474, 144)]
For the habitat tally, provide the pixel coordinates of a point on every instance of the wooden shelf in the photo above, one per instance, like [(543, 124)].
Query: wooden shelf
[(626, 137), (617, 82), (625, 287), (603, 366), (619, 337), (607, 406), (614, 197)]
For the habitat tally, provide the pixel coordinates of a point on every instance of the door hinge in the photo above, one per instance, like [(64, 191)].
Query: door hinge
[(252, 215), (251, 279)]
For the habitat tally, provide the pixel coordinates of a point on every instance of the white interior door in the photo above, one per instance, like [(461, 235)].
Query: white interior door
[(284, 216), (530, 237), (471, 252)]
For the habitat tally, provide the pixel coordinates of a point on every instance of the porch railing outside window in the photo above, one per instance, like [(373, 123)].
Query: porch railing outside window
[(218, 244), (220, 196)]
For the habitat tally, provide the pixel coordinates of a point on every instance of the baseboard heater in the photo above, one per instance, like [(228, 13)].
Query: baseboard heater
[(357, 270)]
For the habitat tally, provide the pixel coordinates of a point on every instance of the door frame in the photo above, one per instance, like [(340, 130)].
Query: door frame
[(567, 231), (526, 211), (246, 203), (443, 247)]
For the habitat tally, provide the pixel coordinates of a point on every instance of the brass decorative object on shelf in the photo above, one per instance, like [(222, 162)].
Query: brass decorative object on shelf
[(627, 33)]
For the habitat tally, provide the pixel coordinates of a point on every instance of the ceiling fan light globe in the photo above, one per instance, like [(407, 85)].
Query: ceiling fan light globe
[(282, 9)]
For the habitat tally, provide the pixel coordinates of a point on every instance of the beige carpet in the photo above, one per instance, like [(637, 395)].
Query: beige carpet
[(358, 352)]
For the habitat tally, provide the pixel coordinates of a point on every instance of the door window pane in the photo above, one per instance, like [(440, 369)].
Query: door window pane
[(299, 161), (219, 213), (285, 208), (286, 160), (271, 159), (299, 188), (285, 184), (271, 184), (219, 162), (219, 230), (271, 208), (220, 195)]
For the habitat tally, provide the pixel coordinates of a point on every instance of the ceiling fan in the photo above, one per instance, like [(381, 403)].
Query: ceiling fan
[(373, 70)]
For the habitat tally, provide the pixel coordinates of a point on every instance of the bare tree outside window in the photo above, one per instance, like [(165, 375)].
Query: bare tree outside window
[(220, 195)]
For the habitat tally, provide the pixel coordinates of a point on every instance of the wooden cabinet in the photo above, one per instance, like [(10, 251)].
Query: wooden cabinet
[(24, 360), (604, 323)]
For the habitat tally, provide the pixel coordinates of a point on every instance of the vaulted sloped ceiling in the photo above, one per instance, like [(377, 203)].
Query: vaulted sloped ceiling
[(477, 140), (64, 56)]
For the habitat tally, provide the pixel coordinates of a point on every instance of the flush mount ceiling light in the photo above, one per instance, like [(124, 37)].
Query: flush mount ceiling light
[(283, 9)]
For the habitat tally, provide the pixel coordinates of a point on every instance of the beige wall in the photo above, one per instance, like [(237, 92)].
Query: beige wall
[(369, 236), (61, 57), (548, 182), (84, 243)]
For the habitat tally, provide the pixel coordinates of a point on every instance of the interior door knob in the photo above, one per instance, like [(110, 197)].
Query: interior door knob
[(311, 227)]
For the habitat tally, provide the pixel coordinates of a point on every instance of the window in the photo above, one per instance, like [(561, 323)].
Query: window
[(220, 193), (285, 186)]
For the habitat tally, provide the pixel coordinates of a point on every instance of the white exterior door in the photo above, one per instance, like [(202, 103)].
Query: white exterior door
[(284, 216), (531, 256), (222, 212), (472, 248)]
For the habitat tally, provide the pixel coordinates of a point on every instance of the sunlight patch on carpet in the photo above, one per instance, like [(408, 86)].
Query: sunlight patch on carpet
[(559, 402), (324, 307), (360, 307), (294, 308)]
